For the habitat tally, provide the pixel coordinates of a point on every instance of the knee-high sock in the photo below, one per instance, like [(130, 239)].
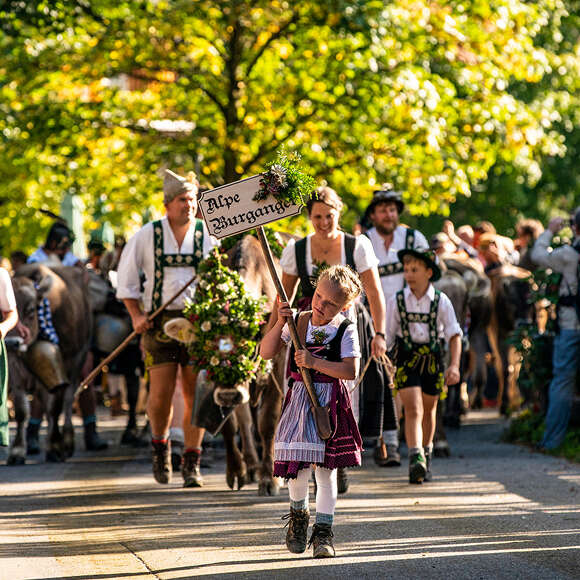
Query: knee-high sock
[(326, 494), (298, 489)]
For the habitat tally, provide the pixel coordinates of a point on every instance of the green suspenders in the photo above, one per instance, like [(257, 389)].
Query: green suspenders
[(163, 260), (429, 318)]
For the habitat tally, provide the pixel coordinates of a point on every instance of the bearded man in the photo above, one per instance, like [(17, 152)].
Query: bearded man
[(388, 237), (167, 252)]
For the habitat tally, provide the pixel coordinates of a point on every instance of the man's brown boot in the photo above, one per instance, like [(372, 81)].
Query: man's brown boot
[(190, 469), (161, 456)]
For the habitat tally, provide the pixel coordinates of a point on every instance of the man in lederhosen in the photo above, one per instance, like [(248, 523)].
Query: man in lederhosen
[(388, 237), (167, 252)]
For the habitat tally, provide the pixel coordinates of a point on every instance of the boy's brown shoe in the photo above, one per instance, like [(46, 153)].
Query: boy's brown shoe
[(297, 530), (161, 456), (417, 468), (321, 541)]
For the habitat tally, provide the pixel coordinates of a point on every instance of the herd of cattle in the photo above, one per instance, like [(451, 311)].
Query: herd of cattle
[(489, 307)]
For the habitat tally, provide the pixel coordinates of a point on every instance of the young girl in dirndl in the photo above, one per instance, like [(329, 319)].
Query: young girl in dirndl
[(332, 355)]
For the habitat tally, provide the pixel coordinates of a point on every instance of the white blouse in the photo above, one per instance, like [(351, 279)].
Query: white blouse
[(138, 256), (349, 345), (364, 256)]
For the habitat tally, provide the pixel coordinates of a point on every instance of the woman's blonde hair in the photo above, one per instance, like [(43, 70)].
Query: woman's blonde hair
[(345, 279), (327, 196)]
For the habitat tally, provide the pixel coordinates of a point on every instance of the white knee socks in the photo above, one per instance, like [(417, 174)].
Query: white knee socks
[(326, 494), (298, 490)]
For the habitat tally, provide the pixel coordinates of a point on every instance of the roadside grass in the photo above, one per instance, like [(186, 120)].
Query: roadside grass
[(528, 427)]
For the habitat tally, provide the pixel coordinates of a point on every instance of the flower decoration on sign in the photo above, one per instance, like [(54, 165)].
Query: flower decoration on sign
[(226, 320), (286, 179)]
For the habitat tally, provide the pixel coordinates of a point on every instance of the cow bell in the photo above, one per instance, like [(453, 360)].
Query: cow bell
[(206, 413), (44, 360)]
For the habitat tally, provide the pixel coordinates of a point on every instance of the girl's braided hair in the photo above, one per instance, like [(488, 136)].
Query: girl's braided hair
[(345, 279)]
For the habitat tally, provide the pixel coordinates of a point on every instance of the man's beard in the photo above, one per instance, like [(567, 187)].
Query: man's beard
[(386, 231)]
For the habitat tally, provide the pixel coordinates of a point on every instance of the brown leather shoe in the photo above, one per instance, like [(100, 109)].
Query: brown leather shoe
[(297, 530), (380, 454), (161, 456), (321, 540), (393, 456), (190, 469)]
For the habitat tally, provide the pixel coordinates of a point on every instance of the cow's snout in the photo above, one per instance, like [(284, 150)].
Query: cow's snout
[(231, 396)]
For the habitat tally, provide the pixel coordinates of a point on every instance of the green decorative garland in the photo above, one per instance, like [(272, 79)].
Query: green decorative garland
[(286, 180), (226, 321)]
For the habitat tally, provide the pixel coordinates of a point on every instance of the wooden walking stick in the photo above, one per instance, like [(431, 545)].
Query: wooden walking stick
[(321, 415), (86, 381)]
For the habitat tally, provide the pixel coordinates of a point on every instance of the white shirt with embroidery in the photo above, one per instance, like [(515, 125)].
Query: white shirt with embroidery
[(447, 325), (139, 256), (395, 282)]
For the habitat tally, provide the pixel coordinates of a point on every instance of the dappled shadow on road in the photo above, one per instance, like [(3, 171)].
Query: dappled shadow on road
[(107, 508)]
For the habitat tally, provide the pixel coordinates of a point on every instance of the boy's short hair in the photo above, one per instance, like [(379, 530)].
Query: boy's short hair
[(345, 279)]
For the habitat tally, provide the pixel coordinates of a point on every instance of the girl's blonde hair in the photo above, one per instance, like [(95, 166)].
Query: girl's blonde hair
[(345, 279)]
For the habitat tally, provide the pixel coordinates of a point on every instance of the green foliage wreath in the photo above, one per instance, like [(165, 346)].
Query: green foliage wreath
[(286, 179), (227, 321)]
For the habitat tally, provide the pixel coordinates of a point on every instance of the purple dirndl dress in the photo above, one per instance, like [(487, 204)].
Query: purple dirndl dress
[(297, 444)]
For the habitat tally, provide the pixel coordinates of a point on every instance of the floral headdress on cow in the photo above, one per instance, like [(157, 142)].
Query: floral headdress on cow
[(226, 323)]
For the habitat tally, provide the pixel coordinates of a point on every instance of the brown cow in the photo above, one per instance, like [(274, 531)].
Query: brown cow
[(255, 407), (67, 291), (247, 259)]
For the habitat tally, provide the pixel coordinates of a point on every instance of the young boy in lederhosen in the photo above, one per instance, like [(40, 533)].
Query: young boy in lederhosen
[(419, 320)]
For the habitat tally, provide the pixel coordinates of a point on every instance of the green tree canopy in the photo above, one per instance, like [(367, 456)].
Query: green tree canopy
[(445, 100)]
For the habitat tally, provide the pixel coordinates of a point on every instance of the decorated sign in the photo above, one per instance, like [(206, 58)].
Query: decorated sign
[(231, 209)]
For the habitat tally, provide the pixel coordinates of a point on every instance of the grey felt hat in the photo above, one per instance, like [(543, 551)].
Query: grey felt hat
[(174, 185)]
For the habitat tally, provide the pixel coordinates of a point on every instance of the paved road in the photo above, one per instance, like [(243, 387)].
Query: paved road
[(493, 511)]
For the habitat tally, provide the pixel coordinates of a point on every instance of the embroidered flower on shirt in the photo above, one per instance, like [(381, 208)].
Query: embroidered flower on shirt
[(319, 335)]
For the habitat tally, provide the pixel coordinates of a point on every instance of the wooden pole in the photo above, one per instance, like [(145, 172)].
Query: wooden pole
[(307, 379), (83, 386)]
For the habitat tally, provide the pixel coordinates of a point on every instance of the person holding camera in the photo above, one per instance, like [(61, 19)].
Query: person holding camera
[(563, 260)]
